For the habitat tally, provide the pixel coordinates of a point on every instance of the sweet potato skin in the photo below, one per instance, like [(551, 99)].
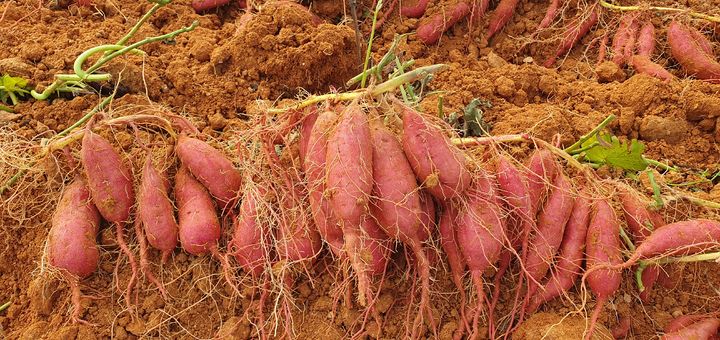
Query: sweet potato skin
[(315, 163), (603, 248), (430, 31), (71, 241), (704, 329), (109, 180), (644, 65), (210, 167), (248, 242), (679, 238), (198, 224), (155, 210), (690, 52), (396, 197), (439, 165)]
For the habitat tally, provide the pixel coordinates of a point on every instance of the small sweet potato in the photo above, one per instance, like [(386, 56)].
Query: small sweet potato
[(430, 30), (199, 227), (688, 48)]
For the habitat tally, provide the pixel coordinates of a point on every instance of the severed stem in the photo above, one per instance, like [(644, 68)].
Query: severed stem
[(660, 9)]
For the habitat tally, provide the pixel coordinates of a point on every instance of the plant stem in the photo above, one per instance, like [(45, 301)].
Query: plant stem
[(638, 276), (384, 61), (6, 109), (472, 141), (584, 148), (77, 66), (628, 242), (656, 190), (592, 132), (5, 306), (684, 259), (385, 87), (441, 114), (661, 9), (158, 4), (368, 51), (660, 165)]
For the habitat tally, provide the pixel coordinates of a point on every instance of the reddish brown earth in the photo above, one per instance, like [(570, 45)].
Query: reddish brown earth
[(218, 74)]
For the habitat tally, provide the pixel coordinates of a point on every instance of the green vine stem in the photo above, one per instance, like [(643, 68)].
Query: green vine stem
[(385, 87), (590, 134), (660, 9), (368, 51), (5, 306), (62, 79)]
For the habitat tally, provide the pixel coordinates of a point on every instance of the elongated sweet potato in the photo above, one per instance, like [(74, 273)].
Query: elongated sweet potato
[(71, 243), (503, 12), (603, 249), (430, 31), (644, 65), (155, 210), (250, 239), (439, 165), (540, 171), (646, 40), (349, 182), (455, 259), (210, 167), (415, 11), (690, 51), (703, 329), (199, 227), (573, 33)]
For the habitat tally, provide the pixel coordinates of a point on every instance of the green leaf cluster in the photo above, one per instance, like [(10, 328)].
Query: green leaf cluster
[(12, 88), (606, 149)]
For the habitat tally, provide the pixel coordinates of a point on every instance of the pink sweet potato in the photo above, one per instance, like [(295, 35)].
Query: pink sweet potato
[(703, 329), (513, 189), (503, 12), (679, 238), (415, 11), (570, 260), (683, 321), (199, 227), (621, 37), (314, 164), (646, 40), (155, 210), (480, 235), (109, 180), (550, 14), (644, 65), (430, 30), (550, 228), (688, 48), (376, 244), (210, 167), (305, 131), (440, 166), (297, 238), (603, 249), (455, 259), (632, 31), (250, 239), (71, 243), (111, 188), (427, 216), (349, 182), (540, 171), (204, 5), (573, 33), (396, 203)]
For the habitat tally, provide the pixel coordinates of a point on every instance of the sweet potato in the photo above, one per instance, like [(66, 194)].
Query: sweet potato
[(513, 189), (349, 182), (629, 49), (204, 5), (620, 39), (688, 48), (396, 203), (550, 228), (155, 210), (111, 188), (199, 227), (683, 321), (297, 239), (603, 249), (250, 239), (430, 30), (71, 243), (646, 40), (573, 33), (679, 238), (550, 14), (427, 216), (376, 247), (305, 131), (570, 260), (416, 11), (455, 259), (210, 167), (540, 171), (704, 329), (480, 235), (314, 165), (440, 166), (503, 12), (644, 65)]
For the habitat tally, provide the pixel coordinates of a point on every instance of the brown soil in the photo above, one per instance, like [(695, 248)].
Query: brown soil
[(217, 74)]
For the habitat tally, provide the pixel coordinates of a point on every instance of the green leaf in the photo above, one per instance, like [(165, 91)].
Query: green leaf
[(12, 87), (612, 152)]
